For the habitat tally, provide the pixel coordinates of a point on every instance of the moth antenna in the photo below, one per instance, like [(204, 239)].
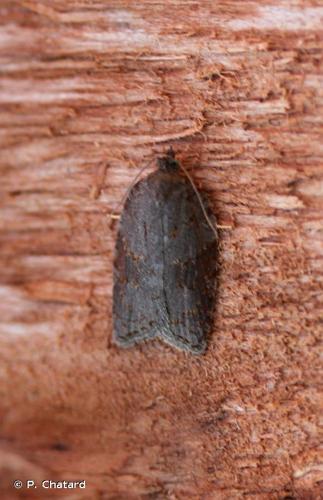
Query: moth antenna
[(208, 220), (113, 215)]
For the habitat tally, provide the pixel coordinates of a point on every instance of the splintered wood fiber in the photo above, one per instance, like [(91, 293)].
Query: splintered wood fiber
[(90, 92)]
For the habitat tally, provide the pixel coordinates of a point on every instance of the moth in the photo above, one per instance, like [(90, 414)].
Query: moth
[(165, 263)]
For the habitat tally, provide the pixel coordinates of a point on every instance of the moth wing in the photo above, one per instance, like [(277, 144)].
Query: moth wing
[(189, 272), (131, 310), (136, 293)]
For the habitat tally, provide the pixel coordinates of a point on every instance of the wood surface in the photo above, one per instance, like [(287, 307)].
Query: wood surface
[(92, 90)]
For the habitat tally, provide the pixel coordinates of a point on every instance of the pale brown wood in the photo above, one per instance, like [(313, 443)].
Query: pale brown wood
[(90, 92)]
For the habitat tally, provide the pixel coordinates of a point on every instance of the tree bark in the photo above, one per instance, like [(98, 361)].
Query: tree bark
[(91, 91)]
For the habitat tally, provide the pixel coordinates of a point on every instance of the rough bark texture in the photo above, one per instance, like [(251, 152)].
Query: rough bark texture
[(90, 91)]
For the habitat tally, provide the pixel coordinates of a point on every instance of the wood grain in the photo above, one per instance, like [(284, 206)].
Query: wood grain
[(90, 91)]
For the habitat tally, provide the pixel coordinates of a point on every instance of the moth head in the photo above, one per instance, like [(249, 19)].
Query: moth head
[(168, 163)]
